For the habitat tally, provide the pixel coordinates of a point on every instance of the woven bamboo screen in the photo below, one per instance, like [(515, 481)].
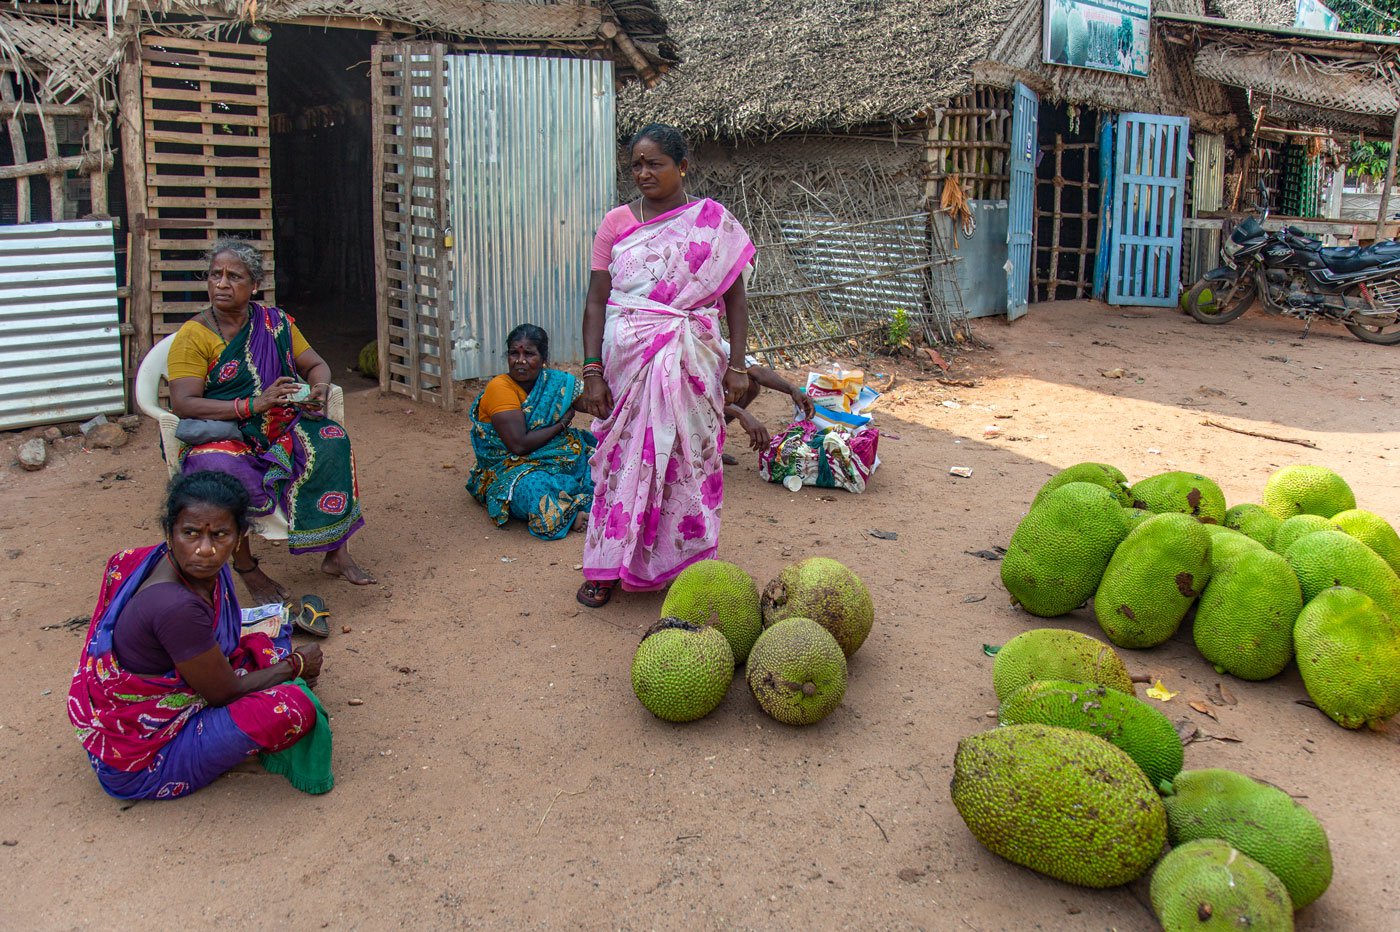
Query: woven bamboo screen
[(207, 168)]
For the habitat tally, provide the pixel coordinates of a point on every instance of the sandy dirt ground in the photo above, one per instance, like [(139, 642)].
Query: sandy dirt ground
[(500, 772)]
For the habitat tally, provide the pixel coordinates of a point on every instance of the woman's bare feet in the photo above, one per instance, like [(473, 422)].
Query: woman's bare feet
[(580, 521), (338, 562), (261, 586)]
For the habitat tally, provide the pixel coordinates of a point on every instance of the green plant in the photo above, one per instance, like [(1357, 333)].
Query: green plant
[(1368, 159), (900, 329)]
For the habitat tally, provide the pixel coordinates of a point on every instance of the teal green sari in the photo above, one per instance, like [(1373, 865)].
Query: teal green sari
[(547, 488)]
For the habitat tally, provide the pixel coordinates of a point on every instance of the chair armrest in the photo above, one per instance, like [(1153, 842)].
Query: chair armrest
[(335, 405), (169, 446)]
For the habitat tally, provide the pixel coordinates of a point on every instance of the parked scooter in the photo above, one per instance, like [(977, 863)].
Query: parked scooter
[(1296, 276)]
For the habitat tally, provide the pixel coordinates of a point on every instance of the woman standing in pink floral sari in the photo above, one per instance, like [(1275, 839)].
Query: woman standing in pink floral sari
[(656, 374)]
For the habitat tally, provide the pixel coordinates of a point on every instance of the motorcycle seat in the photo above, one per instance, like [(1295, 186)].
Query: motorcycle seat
[(1355, 258)]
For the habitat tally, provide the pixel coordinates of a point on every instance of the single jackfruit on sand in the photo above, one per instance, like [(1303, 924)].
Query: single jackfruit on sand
[(797, 671), (720, 594), (1110, 477), (1349, 656), (1307, 490), (1186, 493), (681, 671), (1325, 559), (1059, 801), (1253, 522), (1057, 654), (1207, 885), (1260, 820), (1154, 576), (1244, 623), (825, 591), (1144, 734), (1298, 526), (1059, 550), (1373, 531)]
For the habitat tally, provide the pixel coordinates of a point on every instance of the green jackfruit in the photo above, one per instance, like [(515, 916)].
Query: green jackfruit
[(1076, 39), (1325, 559), (1110, 477), (1244, 624), (1057, 654), (825, 591), (368, 360), (1373, 531), (681, 671), (1228, 545), (1059, 550), (1059, 30), (1298, 526), (1253, 522), (1349, 656), (713, 592), (1185, 493), (1307, 490), (1260, 820), (1059, 801), (797, 671), (1136, 516), (1207, 885), (1144, 734), (1154, 576)]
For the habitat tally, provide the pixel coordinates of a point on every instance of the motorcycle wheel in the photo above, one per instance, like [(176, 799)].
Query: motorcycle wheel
[(1219, 302), (1385, 333)]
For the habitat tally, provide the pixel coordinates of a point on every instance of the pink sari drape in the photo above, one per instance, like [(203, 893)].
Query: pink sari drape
[(657, 475)]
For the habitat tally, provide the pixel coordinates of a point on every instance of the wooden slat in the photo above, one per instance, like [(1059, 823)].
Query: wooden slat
[(256, 79)]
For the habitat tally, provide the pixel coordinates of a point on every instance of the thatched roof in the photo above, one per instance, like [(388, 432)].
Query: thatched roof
[(1266, 12), (67, 60), (754, 68)]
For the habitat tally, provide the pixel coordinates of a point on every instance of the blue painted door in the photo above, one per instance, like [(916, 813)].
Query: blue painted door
[(1024, 119), (1149, 188)]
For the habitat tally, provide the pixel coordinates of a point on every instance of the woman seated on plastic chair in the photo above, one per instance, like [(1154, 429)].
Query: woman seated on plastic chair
[(246, 364)]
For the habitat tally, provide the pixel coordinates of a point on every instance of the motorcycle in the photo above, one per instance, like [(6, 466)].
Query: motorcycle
[(1296, 276)]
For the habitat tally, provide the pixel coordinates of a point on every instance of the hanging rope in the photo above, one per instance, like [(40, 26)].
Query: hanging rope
[(955, 205)]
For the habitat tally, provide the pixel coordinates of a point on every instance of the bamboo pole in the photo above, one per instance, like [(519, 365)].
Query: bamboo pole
[(54, 167), (97, 181), (1389, 178), (131, 123), (24, 191)]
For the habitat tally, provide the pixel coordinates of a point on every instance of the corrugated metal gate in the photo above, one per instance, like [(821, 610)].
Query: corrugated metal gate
[(1150, 182), (60, 343), (533, 170), (1020, 261)]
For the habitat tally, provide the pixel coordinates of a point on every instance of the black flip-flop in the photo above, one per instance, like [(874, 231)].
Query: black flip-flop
[(603, 593), (311, 617)]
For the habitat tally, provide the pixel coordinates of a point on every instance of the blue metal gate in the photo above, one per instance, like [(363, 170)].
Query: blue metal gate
[(1149, 188), (1019, 256)]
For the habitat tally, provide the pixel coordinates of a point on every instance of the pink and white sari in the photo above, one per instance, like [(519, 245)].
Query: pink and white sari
[(657, 477)]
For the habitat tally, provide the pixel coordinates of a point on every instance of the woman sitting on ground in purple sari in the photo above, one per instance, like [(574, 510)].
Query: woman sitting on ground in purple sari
[(657, 375), (240, 361), (169, 693)]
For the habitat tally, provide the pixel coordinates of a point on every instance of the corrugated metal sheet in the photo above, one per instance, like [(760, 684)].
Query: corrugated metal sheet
[(884, 264), (60, 343), (533, 168)]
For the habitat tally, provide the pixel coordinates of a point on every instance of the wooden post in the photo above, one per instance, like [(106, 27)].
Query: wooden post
[(1389, 178), (131, 121), (379, 102), (57, 201), (24, 188), (97, 181)]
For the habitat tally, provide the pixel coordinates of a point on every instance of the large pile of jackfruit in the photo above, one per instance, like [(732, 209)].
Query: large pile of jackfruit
[(1303, 574)]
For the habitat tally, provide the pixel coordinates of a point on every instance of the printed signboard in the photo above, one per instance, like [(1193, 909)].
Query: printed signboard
[(1107, 35), (1313, 15)]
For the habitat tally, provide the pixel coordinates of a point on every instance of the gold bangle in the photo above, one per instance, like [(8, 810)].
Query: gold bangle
[(739, 371)]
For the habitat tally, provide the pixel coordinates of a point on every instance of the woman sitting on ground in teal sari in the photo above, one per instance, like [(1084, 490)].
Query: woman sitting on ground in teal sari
[(530, 464)]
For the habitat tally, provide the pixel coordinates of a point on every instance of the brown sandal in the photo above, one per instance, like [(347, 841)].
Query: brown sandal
[(595, 593)]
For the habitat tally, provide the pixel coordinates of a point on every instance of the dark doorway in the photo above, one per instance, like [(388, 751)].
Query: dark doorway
[(319, 96), (1067, 202)]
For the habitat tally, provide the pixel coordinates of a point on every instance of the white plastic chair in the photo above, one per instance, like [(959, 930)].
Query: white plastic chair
[(154, 368)]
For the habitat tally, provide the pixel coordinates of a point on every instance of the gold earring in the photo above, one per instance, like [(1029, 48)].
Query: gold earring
[(682, 174)]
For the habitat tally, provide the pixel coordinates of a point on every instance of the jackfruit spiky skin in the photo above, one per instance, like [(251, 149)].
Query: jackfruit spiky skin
[(1059, 550), (1325, 559), (720, 594), (1061, 802), (1185, 493), (1349, 656), (1143, 733), (1154, 576), (1057, 654), (1228, 545), (1244, 624), (1298, 526), (1253, 522), (797, 671), (1373, 531), (1110, 477), (1136, 516), (681, 671), (1207, 885), (1260, 820), (825, 591), (1307, 490)]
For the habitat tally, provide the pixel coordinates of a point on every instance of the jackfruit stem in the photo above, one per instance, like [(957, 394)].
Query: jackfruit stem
[(809, 689)]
